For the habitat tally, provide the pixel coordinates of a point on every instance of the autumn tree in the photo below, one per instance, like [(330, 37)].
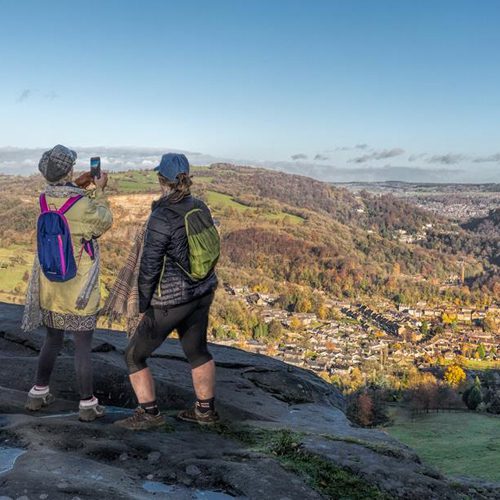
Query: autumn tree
[(424, 397), (275, 330), (454, 375), (365, 409), (490, 324)]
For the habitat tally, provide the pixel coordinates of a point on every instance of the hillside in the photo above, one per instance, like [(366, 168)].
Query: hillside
[(279, 228), (284, 435)]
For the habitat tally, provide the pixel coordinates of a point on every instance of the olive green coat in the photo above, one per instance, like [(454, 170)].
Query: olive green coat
[(89, 218)]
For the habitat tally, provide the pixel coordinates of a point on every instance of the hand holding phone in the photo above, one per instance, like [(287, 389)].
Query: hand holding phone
[(102, 181), (84, 180), (95, 167)]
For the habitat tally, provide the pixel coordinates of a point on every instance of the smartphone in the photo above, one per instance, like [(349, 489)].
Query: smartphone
[(95, 167)]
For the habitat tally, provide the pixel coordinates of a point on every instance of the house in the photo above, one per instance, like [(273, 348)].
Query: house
[(465, 316)]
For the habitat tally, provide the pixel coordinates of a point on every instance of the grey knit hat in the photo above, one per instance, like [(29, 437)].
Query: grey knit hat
[(57, 163)]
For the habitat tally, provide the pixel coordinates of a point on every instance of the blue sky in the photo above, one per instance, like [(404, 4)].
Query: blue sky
[(335, 83)]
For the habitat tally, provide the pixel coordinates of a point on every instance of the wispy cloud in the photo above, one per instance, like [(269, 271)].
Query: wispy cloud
[(378, 155), (447, 159), (486, 159), (299, 156), (415, 157), (320, 157), (357, 147), (51, 95), (25, 94)]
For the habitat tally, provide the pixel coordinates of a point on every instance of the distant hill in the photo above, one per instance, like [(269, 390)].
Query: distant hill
[(281, 231)]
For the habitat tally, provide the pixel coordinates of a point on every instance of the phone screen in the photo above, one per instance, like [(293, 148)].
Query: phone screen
[(95, 167)]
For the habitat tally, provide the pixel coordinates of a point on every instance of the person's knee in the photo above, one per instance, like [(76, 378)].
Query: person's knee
[(135, 359), (54, 340), (197, 355)]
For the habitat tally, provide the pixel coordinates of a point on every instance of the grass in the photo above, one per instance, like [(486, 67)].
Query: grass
[(456, 443), (138, 181), (477, 364), (135, 181), (482, 364), (221, 201), (328, 479), (15, 260)]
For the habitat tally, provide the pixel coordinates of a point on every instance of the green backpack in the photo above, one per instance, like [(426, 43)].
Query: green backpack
[(203, 243)]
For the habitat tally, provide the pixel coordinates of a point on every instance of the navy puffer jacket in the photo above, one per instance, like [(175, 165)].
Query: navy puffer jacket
[(161, 282)]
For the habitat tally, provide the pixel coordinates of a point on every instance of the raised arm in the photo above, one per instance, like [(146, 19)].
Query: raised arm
[(98, 218)]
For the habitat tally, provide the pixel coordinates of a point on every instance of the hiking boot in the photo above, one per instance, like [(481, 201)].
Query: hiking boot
[(141, 421), (88, 413), (195, 416), (36, 402)]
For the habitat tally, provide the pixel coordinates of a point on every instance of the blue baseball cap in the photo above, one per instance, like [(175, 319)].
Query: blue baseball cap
[(173, 164)]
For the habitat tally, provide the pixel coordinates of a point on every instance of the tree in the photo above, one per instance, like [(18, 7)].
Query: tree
[(304, 305), (439, 329), (323, 312), (356, 378), (490, 324), (481, 351), (454, 375), (494, 406), (260, 331), (425, 396), (424, 328), (449, 318), (474, 398), (275, 330), (365, 409), (295, 323)]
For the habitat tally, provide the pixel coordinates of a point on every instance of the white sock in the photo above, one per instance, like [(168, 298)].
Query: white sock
[(39, 391), (88, 402)]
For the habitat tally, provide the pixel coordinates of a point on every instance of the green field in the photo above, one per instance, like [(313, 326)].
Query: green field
[(140, 181), (15, 260), (456, 443), (478, 364), (220, 201), (136, 181), (147, 180), (223, 200)]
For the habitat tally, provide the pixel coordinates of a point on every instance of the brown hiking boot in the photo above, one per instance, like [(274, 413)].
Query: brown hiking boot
[(141, 421), (195, 416)]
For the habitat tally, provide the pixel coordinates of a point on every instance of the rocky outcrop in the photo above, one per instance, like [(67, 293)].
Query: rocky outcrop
[(284, 434)]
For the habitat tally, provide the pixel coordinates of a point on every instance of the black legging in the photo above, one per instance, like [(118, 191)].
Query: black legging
[(191, 322), (83, 364)]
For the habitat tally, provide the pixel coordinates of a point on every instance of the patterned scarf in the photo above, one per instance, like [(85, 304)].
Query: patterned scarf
[(32, 317), (123, 299)]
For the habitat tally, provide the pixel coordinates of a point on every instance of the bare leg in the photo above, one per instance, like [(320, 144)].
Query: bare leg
[(143, 385), (204, 380)]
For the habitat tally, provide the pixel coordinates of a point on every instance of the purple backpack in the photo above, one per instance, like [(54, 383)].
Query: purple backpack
[(55, 249)]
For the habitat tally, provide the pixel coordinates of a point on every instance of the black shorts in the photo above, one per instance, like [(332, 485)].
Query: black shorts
[(191, 322)]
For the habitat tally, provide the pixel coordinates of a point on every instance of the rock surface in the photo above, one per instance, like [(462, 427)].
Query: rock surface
[(59, 457)]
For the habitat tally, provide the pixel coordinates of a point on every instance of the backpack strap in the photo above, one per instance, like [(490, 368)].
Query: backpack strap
[(44, 208), (69, 203)]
